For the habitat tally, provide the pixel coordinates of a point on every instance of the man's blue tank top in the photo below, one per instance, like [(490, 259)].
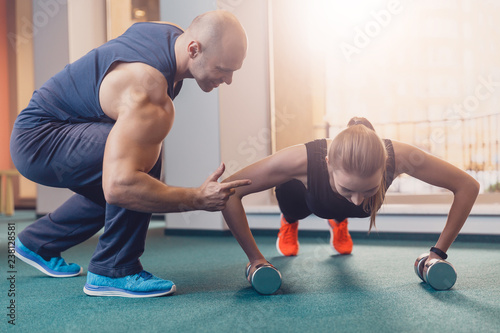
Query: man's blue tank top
[(72, 95)]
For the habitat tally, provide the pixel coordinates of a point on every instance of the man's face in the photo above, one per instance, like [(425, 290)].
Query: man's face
[(216, 66), (210, 73)]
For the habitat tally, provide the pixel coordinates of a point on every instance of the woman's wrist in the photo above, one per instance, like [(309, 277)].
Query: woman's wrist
[(439, 252)]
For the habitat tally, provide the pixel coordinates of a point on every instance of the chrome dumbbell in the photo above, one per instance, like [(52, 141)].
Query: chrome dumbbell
[(440, 275), (266, 279)]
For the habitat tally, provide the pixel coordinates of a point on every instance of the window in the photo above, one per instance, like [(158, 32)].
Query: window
[(423, 72)]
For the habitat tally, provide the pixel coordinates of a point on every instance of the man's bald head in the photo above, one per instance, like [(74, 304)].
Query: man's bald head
[(219, 31), (211, 49)]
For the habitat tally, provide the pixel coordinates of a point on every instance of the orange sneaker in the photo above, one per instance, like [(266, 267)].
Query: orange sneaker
[(287, 243), (340, 239)]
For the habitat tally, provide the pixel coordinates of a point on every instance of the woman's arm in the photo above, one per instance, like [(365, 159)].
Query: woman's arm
[(273, 170), (434, 171)]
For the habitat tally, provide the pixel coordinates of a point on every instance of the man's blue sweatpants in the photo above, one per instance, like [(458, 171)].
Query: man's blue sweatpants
[(70, 155)]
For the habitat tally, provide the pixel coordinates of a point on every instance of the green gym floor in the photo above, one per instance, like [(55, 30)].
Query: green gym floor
[(373, 290)]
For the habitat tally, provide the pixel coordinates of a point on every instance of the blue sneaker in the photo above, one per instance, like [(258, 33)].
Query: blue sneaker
[(55, 267), (143, 284)]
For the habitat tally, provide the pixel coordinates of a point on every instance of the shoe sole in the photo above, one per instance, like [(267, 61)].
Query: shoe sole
[(24, 257), (290, 255), (92, 290), (331, 242)]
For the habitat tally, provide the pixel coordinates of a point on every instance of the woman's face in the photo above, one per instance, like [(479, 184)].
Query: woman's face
[(355, 188)]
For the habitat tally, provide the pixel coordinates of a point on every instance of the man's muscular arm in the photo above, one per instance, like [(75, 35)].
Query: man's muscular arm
[(135, 95)]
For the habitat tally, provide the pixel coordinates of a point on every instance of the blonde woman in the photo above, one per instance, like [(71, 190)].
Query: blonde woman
[(345, 177)]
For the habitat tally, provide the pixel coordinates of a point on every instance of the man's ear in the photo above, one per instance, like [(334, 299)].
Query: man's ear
[(326, 159), (194, 49)]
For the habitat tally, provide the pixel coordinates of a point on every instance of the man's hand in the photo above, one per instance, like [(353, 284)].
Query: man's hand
[(214, 195)]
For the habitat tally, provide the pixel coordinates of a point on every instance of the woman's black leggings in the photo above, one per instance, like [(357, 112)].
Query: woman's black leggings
[(292, 200)]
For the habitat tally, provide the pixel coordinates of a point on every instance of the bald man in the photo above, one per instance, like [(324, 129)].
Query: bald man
[(97, 128)]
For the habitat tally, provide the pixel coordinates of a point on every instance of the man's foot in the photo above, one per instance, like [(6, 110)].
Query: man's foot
[(287, 243), (143, 284), (340, 239), (55, 267)]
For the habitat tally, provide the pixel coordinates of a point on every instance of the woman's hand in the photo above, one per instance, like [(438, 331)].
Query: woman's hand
[(254, 265)]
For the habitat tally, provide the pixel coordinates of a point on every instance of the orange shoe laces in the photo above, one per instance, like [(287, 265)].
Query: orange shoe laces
[(343, 235), (288, 233)]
